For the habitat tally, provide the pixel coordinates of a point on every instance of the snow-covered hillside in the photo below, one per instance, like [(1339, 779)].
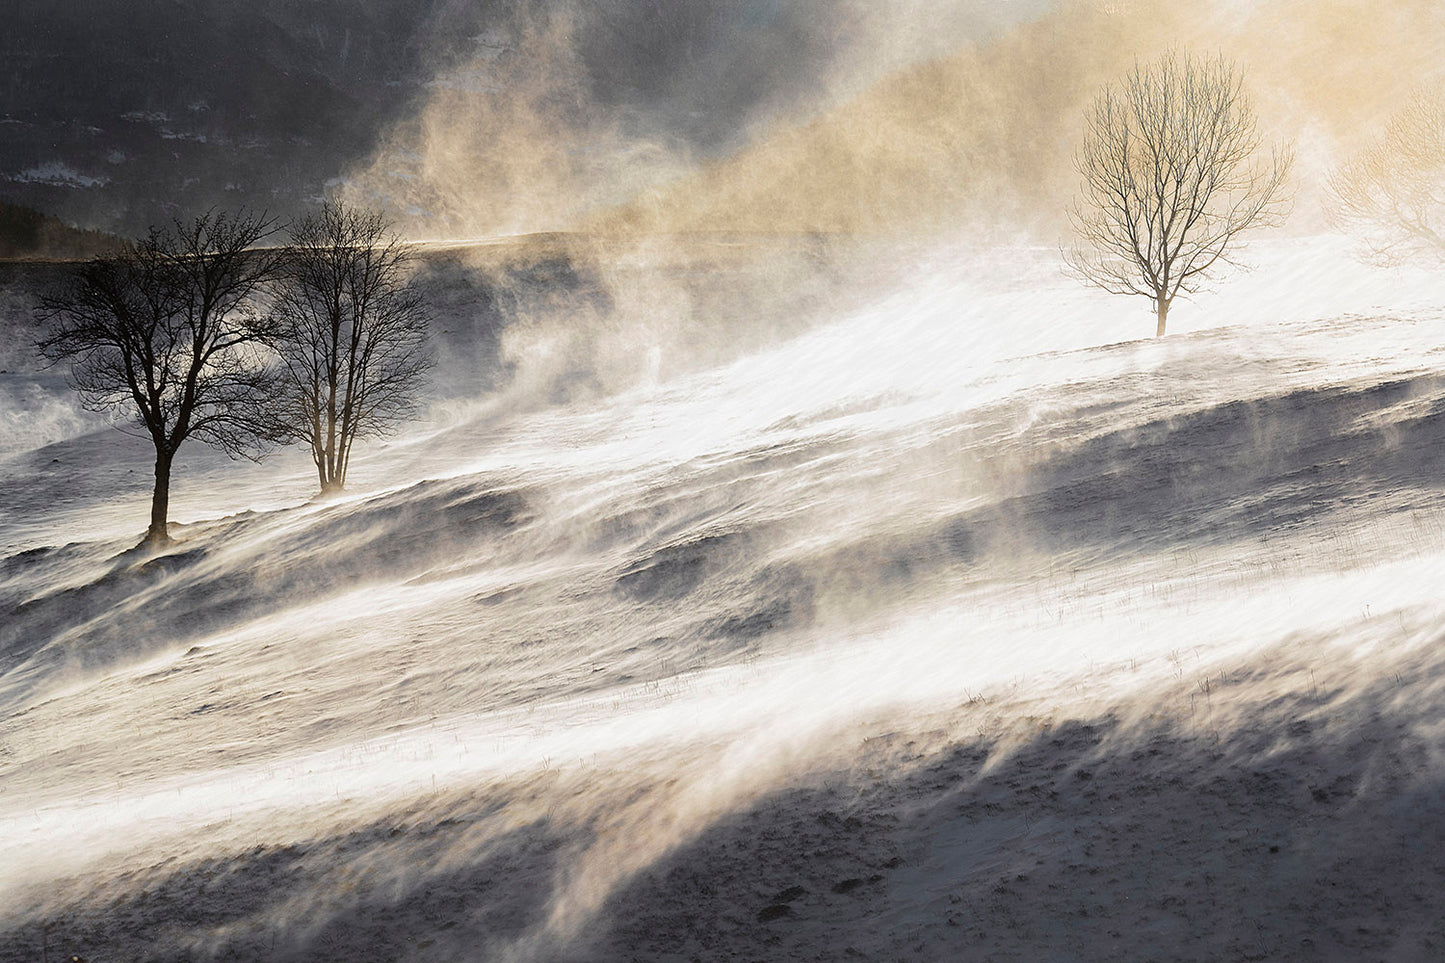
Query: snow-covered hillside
[(944, 624)]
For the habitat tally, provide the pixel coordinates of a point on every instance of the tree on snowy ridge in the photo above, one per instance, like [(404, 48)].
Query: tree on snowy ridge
[(171, 331), (1170, 181), (351, 337)]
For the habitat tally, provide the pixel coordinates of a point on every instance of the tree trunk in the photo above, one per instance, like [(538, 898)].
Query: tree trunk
[(1161, 308), (157, 535), (326, 473)]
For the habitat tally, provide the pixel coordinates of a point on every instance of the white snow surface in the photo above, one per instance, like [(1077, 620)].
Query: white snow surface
[(958, 626)]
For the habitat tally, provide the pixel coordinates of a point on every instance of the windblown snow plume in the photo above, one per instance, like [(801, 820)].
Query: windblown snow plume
[(813, 648), (836, 117)]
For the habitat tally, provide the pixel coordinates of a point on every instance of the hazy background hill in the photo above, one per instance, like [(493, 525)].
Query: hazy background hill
[(27, 233)]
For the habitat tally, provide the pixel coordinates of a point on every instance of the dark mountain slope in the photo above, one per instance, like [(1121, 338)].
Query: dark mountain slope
[(25, 233)]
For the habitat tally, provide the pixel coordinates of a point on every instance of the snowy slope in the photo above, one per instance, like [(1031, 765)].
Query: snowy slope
[(949, 627)]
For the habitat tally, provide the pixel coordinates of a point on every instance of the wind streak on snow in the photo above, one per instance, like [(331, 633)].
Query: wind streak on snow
[(681, 595)]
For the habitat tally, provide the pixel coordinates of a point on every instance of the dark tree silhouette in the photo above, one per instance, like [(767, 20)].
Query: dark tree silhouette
[(170, 330), (351, 340), (1169, 183), (1392, 193)]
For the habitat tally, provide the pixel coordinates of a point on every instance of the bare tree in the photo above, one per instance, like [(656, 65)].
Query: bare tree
[(169, 329), (1170, 181), (1392, 193), (352, 337)]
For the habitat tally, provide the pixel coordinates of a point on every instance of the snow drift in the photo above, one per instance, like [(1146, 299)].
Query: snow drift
[(898, 636)]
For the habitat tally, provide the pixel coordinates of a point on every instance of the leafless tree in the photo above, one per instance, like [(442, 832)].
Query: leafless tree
[(352, 337), (170, 330), (1170, 181), (1392, 193)]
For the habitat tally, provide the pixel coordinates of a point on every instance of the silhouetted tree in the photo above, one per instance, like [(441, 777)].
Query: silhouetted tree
[(1169, 180), (170, 330), (352, 337), (1392, 193)]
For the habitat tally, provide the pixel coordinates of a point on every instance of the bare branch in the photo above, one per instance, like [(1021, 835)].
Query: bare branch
[(1392, 193)]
